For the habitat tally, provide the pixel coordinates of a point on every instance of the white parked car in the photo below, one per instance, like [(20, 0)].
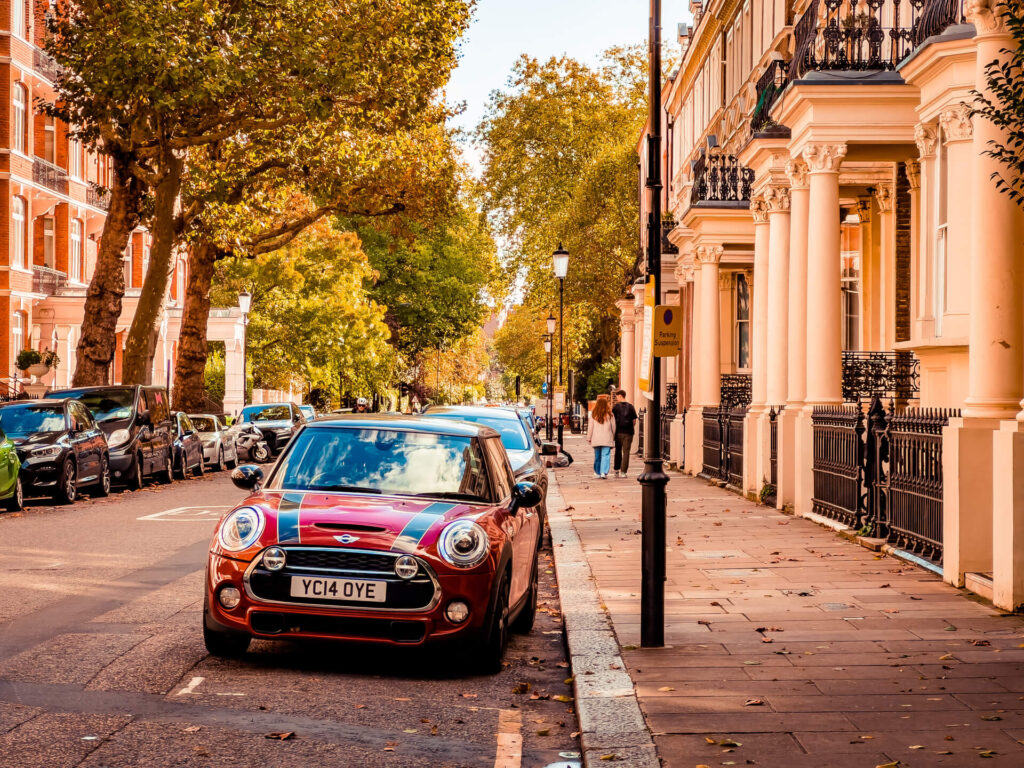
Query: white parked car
[(218, 440)]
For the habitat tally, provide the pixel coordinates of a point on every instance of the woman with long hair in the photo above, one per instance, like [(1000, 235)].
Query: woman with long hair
[(601, 436)]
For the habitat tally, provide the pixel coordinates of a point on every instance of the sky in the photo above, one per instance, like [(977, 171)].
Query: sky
[(501, 30)]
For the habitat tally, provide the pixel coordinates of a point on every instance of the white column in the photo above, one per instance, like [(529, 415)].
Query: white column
[(926, 138), (710, 371), (627, 346), (694, 426), (884, 305), (759, 353), (777, 199)]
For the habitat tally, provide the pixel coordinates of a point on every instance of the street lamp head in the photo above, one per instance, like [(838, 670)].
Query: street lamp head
[(551, 324), (547, 345), (244, 302), (561, 261)]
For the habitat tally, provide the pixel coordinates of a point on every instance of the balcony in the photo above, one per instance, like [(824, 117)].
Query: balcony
[(936, 17), (45, 65), (892, 375), (735, 390), (769, 87), (719, 178), (97, 197), (49, 175), (48, 281)]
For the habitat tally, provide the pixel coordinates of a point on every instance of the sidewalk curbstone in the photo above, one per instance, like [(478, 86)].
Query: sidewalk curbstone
[(613, 729)]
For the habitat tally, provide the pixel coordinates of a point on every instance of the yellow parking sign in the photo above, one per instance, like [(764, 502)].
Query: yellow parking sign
[(668, 331)]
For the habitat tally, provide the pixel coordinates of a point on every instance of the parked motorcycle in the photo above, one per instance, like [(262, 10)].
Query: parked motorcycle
[(251, 445)]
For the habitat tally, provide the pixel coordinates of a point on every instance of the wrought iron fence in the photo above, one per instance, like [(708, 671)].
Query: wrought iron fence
[(641, 418), (735, 390), (711, 466), (719, 178), (936, 17), (868, 375), (47, 281), (723, 444), (44, 64), (854, 35), (769, 87), (838, 440), (773, 445), (97, 197), (733, 469), (668, 413), (49, 175)]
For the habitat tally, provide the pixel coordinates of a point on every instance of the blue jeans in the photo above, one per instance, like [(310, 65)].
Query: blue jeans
[(602, 459)]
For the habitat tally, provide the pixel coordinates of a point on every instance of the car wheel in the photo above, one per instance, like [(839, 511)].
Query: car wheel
[(524, 621), (200, 469), (496, 638), (166, 475), (133, 478), (67, 486), (16, 501), (179, 466), (260, 454), (221, 465), (225, 645), (102, 487)]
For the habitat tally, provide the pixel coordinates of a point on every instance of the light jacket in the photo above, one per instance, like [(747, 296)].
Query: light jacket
[(601, 434)]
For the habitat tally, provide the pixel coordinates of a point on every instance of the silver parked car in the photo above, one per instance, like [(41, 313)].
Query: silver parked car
[(218, 440)]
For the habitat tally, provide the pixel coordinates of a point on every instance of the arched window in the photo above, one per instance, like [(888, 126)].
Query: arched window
[(19, 100), (18, 232), (75, 269)]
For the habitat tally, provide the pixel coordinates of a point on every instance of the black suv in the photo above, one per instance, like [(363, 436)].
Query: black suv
[(60, 446), (137, 422)]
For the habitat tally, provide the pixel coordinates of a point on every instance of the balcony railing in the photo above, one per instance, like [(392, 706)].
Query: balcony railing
[(97, 197), (47, 281), (854, 35), (936, 17), (735, 390), (892, 375), (720, 178), (769, 87), (49, 175), (44, 64)]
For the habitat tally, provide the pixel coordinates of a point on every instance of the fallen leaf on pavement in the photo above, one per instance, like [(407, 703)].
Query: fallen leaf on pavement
[(753, 703), (666, 688), (283, 736), (709, 740), (544, 732), (563, 699), (465, 696), (521, 688), (916, 746), (729, 743), (193, 728)]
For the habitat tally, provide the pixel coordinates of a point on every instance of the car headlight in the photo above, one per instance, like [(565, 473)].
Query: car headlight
[(241, 529), (463, 544), (118, 437), (46, 450)]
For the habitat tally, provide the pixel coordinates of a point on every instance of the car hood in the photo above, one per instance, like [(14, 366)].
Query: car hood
[(272, 424), (518, 459), (317, 519), (37, 439)]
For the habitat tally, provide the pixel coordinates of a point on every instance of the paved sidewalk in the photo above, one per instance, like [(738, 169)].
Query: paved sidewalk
[(791, 647)]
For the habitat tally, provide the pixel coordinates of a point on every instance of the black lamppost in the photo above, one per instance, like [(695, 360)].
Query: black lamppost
[(547, 351), (244, 304), (560, 258), (653, 479)]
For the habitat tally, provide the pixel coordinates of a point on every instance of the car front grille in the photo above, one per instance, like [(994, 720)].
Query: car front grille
[(340, 560)]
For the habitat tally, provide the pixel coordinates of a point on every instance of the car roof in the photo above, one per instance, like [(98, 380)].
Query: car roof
[(405, 422), (49, 402), (56, 394), (474, 410)]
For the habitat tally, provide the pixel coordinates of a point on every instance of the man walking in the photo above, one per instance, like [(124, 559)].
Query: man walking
[(625, 419)]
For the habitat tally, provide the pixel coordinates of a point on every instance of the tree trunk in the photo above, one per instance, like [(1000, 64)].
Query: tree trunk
[(142, 337), (189, 383), (96, 347)]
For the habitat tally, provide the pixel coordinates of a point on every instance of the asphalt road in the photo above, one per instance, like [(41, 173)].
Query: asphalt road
[(102, 663)]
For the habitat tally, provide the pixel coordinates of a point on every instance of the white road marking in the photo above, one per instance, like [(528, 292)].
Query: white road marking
[(510, 739), (191, 687), (188, 514)]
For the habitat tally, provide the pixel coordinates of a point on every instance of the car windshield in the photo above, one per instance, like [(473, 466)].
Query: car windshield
[(383, 461), (105, 404), (513, 436), (24, 420), (267, 413), (308, 411), (203, 424)]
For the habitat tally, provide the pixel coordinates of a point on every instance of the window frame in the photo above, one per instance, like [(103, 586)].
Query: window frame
[(19, 231), (75, 251), (19, 117), (738, 322)]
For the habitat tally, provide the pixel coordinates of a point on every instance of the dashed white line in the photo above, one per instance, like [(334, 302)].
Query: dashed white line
[(191, 687)]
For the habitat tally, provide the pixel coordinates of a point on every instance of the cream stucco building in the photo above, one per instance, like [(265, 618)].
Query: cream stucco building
[(850, 276)]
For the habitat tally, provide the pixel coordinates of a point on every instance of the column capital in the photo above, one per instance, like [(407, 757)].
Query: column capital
[(914, 173), (823, 157), (956, 122), (796, 169), (885, 197), (776, 198), (864, 209), (709, 254), (926, 138), (986, 16), (759, 210), (725, 280), (626, 312), (687, 273)]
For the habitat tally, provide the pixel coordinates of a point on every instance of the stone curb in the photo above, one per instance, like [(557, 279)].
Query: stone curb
[(611, 722)]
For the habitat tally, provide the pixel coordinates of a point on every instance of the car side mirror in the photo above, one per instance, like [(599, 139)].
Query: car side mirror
[(549, 449), (248, 477), (296, 418), (526, 495)]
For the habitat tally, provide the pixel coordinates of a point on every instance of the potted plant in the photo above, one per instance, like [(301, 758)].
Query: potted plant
[(37, 363), (27, 358)]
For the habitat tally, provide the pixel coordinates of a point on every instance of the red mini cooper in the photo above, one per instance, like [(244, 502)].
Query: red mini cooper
[(393, 529)]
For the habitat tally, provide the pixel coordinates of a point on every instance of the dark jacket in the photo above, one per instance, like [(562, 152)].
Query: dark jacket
[(625, 418)]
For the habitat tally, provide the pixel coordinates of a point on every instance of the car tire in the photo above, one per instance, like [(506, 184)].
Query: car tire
[(200, 468), (16, 501), (102, 486), (180, 471), (220, 465), (166, 475), (67, 486), (134, 479), (524, 621), (495, 638), (260, 454), (225, 645)]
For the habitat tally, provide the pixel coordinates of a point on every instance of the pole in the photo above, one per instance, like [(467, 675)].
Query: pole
[(245, 359), (653, 479), (561, 297), (551, 382)]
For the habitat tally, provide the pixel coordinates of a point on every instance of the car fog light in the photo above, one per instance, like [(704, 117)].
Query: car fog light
[(273, 559), (229, 597), (457, 612), (406, 567)]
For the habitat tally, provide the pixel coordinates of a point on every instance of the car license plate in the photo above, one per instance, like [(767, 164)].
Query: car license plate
[(340, 589)]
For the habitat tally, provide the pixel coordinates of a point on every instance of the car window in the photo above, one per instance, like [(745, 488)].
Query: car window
[(81, 415), (280, 412), (513, 434), (186, 423), (158, 408), (383, 461), (502, 471), (308, 412), (104, 404), (204, 423), (25, 420)]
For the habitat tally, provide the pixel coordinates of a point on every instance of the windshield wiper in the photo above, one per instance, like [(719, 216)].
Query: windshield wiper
[(451, 495), (342, 488)]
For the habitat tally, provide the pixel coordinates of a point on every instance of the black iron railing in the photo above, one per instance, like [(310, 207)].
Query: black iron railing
[(667, 246), (719, 178), (668, 413), (936, 17), (854, 35), (735, 390), (641, 418), (723, 444), (733, 469), (838, 444), (867, 375), (769, 87), (711, 465), (44, 64), (49, 175), (773, 445), (47, 281), (98, 197)]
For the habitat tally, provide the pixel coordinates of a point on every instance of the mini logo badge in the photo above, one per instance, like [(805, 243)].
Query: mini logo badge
[(347, 538)]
